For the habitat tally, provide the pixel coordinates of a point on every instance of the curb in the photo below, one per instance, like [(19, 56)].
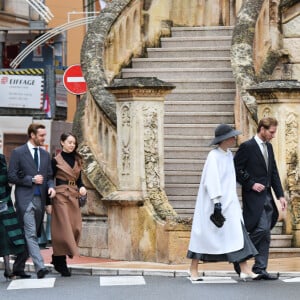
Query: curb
[(111, 271), (117, 271)]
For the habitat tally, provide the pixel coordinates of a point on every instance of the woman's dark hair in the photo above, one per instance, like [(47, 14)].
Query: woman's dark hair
[(65, 135)]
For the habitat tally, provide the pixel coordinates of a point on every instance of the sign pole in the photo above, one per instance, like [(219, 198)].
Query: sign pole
[(77, 100)]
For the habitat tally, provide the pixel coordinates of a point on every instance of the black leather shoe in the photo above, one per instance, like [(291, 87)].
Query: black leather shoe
[(266, 276), (21, 274), (42, 273), (237, 268)]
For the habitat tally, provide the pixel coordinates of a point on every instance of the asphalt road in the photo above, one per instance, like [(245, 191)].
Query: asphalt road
[(152, 288)]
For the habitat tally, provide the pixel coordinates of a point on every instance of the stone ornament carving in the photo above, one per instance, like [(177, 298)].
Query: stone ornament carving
[(266, 112), (274, 16), (293, 172), (126, 123), (151, 147)]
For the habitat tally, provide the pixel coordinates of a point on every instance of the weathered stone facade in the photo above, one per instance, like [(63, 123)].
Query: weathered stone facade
[(120, 140)]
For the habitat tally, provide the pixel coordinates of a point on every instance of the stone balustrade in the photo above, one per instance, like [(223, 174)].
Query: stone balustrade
[(101, 137), (124, 39)]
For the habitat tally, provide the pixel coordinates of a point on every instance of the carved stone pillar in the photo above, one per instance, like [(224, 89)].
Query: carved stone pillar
[(140, 113), (281, 99)]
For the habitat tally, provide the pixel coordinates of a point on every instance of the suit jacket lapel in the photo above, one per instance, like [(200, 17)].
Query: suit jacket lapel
[(29, 158)]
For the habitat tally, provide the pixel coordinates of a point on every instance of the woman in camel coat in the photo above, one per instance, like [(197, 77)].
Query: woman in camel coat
[(65, 212)]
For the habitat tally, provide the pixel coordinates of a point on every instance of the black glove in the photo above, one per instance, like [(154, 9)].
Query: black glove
[(217, 218)]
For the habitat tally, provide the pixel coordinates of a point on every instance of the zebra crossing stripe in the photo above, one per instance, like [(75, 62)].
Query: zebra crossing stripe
[(121, 280), (20, 284)]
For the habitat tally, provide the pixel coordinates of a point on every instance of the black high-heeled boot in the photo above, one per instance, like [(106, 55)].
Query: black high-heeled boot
[(60, 265)]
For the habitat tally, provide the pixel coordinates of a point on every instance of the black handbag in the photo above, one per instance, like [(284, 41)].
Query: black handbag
[(82, 200)]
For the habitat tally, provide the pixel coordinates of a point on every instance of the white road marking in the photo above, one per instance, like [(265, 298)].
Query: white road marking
[(121, 280), (19, 284), (296, 279)]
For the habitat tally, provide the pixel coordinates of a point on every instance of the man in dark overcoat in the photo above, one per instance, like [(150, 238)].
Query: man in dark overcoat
[(257, 173)]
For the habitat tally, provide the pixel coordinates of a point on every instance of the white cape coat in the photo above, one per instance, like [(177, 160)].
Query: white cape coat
[(218, 180)]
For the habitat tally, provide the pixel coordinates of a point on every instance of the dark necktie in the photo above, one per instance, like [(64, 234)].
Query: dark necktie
[(36, 157)]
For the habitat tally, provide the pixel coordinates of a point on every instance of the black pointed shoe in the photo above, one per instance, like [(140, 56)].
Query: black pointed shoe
[(267, 276), (42, 273)]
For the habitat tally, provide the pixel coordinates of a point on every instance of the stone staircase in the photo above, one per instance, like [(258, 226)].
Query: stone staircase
[(197, 61)]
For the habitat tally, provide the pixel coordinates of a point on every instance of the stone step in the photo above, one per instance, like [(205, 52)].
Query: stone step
[(278, 228), (203, 106), (185, 212), (209, 41), (190, 141), (190, 152), (281, 240), (183, 152), (179, 73), (188, 52), (185, 62), (284, 252), (201, 31), (202, 83), (199, 117), (180, 182), (184, 164), (201, 94), (190, 129)]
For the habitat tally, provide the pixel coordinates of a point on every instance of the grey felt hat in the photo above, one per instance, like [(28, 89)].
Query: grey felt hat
[(223, 132)]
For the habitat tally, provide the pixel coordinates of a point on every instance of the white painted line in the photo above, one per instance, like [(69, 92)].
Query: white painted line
[(75, 79), (19, 284), (296, 279), (121, 280)]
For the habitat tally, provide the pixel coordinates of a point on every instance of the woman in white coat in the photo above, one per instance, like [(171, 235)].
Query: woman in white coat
[(218, 232)]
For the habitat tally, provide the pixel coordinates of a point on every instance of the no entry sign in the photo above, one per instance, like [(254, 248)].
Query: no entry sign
[(74, 81)]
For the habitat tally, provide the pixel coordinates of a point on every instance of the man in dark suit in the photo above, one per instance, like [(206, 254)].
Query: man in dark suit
[(30, 170), (257, 173)]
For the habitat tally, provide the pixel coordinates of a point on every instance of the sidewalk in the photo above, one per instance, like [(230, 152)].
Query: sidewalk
[(100, 266)]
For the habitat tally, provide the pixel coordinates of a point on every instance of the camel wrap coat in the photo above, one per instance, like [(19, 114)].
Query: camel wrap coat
[(66, 219)]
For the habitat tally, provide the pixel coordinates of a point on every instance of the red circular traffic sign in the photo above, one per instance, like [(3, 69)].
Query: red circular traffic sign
[(74, 81)]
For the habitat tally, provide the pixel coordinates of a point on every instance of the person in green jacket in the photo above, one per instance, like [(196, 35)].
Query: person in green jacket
[(11, 235)]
